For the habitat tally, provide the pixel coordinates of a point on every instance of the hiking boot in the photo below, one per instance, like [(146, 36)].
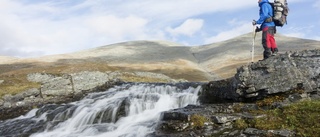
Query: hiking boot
[(267, 53), (275, 52)]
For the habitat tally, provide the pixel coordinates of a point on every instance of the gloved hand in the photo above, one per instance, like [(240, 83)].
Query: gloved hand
[(258, 29), (254, 22)]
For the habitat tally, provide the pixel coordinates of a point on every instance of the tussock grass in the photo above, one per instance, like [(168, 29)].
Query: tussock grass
[(198, 120), (15, 84)]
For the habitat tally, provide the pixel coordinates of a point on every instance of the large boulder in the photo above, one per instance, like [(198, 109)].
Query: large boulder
[(282, 74), (69, 84), (54, 89)]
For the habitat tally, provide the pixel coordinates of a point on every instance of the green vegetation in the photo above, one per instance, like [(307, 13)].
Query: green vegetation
[(270, 100), (302, 117), (198, 120), (14, 84), (241, 124)]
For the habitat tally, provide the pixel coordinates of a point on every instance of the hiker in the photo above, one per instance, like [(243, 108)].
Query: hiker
[(268, 28)]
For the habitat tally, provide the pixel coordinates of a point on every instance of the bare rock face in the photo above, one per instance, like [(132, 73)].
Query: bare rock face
[(54, 89), (69, 85), (281, 74), (85, 81)]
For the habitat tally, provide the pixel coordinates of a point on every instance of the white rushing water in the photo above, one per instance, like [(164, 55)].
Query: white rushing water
[(96, 115)]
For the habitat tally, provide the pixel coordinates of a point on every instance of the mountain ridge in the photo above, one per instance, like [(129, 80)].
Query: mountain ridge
[(208, 62)]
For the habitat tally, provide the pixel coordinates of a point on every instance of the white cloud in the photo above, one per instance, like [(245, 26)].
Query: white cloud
[(78, 33), (52, 27), (241, 28), (33, 34), (189, 27), (178, 9)]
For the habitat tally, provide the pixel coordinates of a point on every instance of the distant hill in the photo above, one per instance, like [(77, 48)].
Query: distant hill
[(199, 63), (223, 58), (7, 59)]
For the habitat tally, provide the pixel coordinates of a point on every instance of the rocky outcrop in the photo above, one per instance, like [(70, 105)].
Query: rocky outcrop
[(70, 84), (282, 74), (54, 89), (212, 120), (289, 77), (63, 88)]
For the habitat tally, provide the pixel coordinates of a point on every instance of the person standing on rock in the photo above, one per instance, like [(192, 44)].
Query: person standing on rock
[(268, 28)]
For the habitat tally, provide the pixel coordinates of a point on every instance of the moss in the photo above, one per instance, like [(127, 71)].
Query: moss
[(302, 117), (241, 124), (198, 120), (268, 122), (297, 90), (238, 107), (270, 100), (280, 97)]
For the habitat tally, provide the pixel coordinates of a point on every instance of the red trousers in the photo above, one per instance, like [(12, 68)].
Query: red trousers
[(268, 42)]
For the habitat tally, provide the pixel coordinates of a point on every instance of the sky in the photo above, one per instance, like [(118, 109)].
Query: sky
[(33, 28)]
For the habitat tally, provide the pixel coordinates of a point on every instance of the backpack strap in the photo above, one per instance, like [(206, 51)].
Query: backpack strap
[(270, 19)]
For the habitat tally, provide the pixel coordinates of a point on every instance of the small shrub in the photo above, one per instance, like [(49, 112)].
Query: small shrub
[(198, 120), (270, 100), (241, 124), (238, 107)]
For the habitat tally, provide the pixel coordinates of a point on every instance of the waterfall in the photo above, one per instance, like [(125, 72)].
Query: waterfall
[(127, 110)]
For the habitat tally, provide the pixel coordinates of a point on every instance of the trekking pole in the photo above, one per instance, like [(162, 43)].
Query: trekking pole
[(254, 37)]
